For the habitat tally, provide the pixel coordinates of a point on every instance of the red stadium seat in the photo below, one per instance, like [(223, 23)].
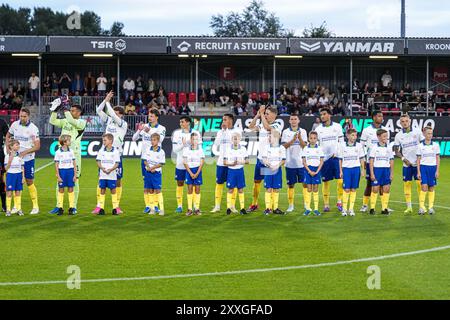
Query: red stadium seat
[(254, 96), (192, 97), (14, 112), (440, 111), (3, 112), (264, 96), (182, 99), (172, 97), (385, 110), (395, 111)]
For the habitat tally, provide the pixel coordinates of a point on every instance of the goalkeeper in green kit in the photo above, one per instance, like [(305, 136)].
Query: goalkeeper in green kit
[(73, 126)]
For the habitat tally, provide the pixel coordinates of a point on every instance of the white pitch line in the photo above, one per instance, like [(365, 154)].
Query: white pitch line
[(235, 272), (44, 166)]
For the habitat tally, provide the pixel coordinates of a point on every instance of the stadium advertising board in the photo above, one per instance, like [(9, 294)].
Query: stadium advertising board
[(22, 44), (260, 46), (210, 125), (108, 44), (341, 46), (429, 46)]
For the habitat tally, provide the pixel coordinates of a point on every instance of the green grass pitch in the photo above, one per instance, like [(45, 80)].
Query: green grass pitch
[(40, 248)]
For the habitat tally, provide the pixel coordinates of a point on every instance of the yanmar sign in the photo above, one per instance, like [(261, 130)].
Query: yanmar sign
[(346, 47)]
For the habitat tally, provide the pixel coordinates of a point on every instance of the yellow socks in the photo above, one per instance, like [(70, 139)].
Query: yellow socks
[(385, 201), (275, 197), (291, 196), (119, 194), (219, 191), (345, 197), (60, 200), (256, 190), (316, 200), (115, 200), (18, 202), (407, 188), (352, 200), (419, 187), (268, 200), (151, 197), (190, 198), (366, 200), (242, 200), (422, 197), (197, 197), (71, 196), (326, 193), (307, 198), (373, 199), (229, 200), (8, 203), (98, 195), (179, 194), (233, 199), (430, 199), (146, 200), (33, 195), (304, 192), (101, 202), (340, 189)]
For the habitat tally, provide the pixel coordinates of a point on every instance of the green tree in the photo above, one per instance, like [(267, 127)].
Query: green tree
[(318, 32), (254, 21), (14, 21)]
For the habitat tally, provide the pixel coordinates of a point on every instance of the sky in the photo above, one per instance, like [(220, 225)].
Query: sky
[(380, 18)]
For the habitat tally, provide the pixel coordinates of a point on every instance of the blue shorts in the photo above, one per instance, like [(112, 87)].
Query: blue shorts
[(197, 181), (295, 175), (409, 173), (330, 169), (273, 181), (14, 182), (180, 174), (153, 180), (351, 177), (367, 171), (119, 169), (29, 169), (221, 174), (259, 171), (382, 177), (428, 175), (67, 178), (308, 179), (107, 184), (236, 178)]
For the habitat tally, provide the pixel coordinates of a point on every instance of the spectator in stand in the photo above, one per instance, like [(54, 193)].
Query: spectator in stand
[(140, 85), (386, 78), (355, 86), (323, 100), (401, 98), (34, 84), (101, 82), (20, 91), (316, 124), (47, 86), (89, 84), (76, 98), (112, 84), (407, 89), (77, 84), (151, 85), (139, 101), (342, 93), (185, 110), (130, 109), (161, 99), (312, 101), (202, 94), (284, 90), (338, 109), (65, 84), (171, 109), (212, 94), (224, 95), (347, 124), (55, 85), (128, 87)]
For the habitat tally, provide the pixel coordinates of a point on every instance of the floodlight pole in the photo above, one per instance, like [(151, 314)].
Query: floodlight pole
[(351, 87), (118, 80), (428, 81), (40, 79), (196, 84), (403, 20), (274, 80)]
